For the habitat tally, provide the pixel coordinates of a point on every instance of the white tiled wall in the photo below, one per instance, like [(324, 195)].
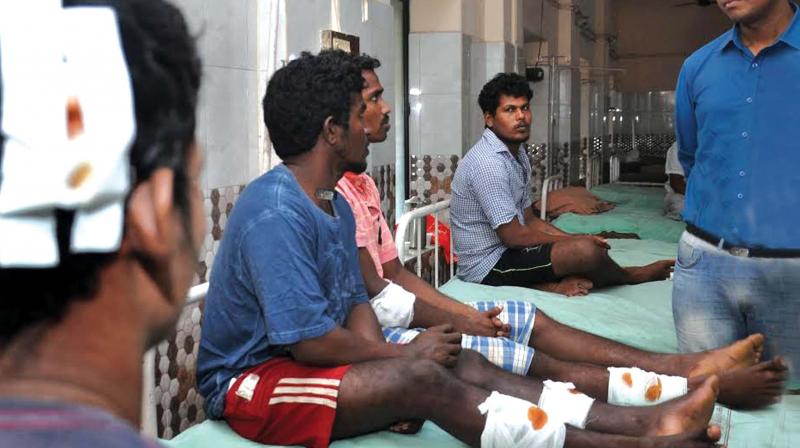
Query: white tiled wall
[(228, 126)]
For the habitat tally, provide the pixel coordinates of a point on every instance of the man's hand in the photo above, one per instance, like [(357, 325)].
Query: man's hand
[(598, 241), (438, 343), (484, 324)]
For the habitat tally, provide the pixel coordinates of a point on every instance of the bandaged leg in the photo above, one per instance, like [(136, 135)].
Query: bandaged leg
[(631, 386), (512, 423), (564, 403), (394, 306)]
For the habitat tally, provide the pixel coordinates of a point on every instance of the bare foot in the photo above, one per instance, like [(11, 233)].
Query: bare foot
[(689, 413), (742, 353), (660, 270), (706, 438), (755, 386), (568, 286), (407, 426)]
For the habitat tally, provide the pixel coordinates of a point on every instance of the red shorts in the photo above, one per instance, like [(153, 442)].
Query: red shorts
[(282, 402)]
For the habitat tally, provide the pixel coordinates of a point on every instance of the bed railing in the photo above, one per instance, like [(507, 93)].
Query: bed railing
[(594, 170), (551, 183), (149, 418), (412, 239)]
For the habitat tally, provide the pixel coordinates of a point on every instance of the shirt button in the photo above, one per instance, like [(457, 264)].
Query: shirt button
[(740, 196), (749, 99), (741, 173), (755, 64), (745, 134)]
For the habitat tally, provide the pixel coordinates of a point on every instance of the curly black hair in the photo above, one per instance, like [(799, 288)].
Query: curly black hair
[(366, 62), (165, 76), (510, 84), (302, 95)]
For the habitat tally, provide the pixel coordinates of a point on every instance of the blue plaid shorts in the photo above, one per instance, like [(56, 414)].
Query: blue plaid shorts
[(511, 353)]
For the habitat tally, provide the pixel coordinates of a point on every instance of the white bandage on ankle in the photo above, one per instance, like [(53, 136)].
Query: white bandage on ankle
[(512, 423), (563, 402), (631, 386), (394, 306)]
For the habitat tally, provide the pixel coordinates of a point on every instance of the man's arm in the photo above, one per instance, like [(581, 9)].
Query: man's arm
[(436, 308), (431, 307), (515, 235), (685, 123), (540, 225), (343, 346)]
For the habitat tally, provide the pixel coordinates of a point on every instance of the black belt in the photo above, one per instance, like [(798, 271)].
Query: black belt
[(755, 252)]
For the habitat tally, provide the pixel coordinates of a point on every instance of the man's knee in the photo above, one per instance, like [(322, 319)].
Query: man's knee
[(589, 253), (423, 376)]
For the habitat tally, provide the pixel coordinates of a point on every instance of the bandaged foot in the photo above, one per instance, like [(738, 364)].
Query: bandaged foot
[(562, 401), (631, 386), (512, 422), (394, 306)]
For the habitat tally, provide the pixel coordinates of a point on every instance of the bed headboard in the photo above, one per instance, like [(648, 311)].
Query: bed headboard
[(412, 239), (551, 183)]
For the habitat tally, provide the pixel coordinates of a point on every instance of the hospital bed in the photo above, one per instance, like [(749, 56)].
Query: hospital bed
[(639, 206), (639, 315)]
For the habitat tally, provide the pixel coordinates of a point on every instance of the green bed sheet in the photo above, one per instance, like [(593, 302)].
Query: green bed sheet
[(639, 315), (639, 210)]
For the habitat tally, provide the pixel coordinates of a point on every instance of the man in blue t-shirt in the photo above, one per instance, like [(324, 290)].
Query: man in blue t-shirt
[(291, 351)]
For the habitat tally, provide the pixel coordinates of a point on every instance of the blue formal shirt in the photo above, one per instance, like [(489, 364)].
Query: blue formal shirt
[(739, 137), (285, 272), (490, 188)]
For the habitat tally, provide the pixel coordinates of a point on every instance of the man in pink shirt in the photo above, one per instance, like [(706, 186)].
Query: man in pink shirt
[(502, 331)]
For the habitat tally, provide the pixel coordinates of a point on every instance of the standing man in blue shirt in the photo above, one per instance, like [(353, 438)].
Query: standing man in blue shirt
[(738, 266)]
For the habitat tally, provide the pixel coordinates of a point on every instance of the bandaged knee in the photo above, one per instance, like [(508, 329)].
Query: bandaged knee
[(631, 386), (563, 402), (512, 422), (394, 306)]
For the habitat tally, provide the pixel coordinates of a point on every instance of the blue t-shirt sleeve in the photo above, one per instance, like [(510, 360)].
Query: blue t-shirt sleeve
[(686, 122), (349, 222), (279, 259)]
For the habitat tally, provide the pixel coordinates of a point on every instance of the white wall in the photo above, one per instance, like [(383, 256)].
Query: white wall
[(306, 20)]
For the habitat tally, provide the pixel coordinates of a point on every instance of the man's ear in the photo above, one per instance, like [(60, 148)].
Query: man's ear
[(488, 119), (331, 132), (151, 208)]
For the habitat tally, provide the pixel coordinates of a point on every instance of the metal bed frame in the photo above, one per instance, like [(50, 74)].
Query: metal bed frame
[(419, 242)]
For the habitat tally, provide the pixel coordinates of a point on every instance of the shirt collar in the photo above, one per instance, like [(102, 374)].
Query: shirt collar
[(495, 142), (791, 36)]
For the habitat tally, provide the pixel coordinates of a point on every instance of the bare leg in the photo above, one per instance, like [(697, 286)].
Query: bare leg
[(374, 395), (377, 394), (688, 413), (705, 438), (582, 257), (570, 344), (743, 383)]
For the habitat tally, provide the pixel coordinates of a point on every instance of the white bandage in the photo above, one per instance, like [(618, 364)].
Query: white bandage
[(394, 306), (512, 423), (563, 402), (631, 386), (52, 57)]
